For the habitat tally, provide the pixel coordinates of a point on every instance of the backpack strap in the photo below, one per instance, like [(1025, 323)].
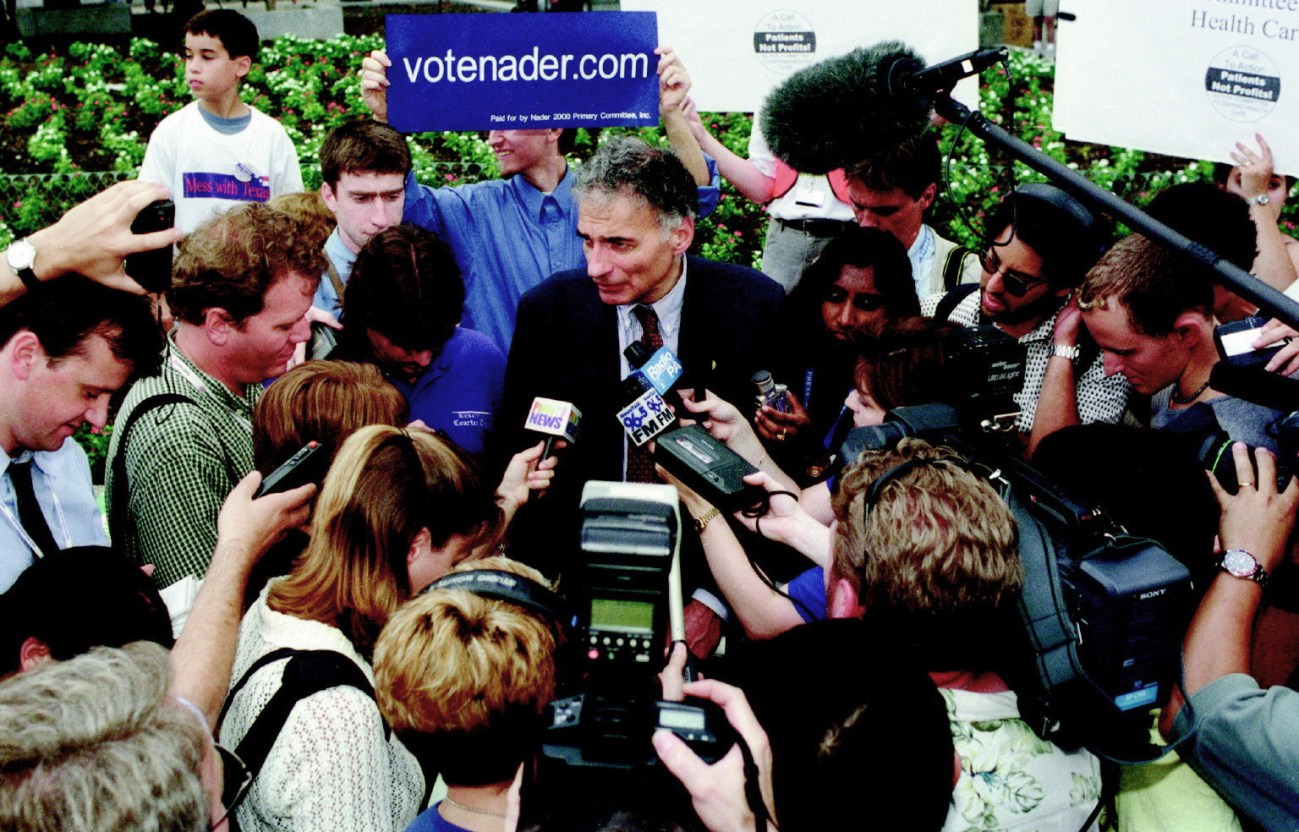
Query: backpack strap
[(334, 279), (308, 672), (119, 511), (953, 268), (953, 297)]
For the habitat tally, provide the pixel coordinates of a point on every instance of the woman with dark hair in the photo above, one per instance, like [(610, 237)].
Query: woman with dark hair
[(861, 281)]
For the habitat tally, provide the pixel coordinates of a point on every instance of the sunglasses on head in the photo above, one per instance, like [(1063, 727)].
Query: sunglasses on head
[(862, 301), (1017, 284)]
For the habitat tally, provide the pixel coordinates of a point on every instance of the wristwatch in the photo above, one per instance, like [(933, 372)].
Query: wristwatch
[(1242, 564), (20, 256), (1261, 199), (702, 521), (1069, 351)]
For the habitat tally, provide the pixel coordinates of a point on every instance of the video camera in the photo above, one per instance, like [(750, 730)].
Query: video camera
[(628, 602), (1103, 612)]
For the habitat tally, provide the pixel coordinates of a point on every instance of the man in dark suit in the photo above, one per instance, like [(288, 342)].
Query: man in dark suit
[(637, 207)]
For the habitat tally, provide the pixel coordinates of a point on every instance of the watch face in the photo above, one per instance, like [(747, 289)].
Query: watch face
[(1239, 563), (20, 255)]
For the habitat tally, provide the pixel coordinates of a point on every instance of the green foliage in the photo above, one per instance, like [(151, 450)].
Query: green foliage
[(95, 444), (94, 108)]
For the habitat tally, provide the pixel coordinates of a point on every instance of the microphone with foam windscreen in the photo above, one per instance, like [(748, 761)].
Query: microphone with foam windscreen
[(845, 109)]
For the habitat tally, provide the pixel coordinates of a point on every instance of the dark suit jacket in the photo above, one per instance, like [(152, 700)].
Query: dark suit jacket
[(566, 347)]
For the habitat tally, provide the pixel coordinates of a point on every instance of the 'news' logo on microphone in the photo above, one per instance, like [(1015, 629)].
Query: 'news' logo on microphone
[(554, 417)]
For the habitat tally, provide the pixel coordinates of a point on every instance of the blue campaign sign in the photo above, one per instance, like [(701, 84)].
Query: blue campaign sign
[(522, 71)]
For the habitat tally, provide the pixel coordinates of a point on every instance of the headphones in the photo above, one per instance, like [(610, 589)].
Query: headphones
[(1061, 201), (515, 589), (901, 470)]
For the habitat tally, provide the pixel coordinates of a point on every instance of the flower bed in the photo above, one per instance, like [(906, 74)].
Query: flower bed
[(92, 110)]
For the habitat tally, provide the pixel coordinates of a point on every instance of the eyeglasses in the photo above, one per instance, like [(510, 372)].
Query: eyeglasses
[(862, 301), (236, 778), (1017, 284)]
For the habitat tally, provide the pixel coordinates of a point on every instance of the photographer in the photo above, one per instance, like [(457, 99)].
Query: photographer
[(925, 549), (1041, 243), (1242, 736)]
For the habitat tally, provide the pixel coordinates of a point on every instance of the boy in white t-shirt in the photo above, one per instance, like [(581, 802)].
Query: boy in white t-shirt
[(218, 151)]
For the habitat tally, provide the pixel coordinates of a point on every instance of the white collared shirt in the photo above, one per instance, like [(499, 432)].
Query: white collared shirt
[(668, 308)]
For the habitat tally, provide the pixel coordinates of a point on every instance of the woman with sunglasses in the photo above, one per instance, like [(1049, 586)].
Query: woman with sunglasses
[(860, 282), (397, 510)]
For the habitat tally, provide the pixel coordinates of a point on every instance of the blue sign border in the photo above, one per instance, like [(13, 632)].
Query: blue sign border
[(522, 71)]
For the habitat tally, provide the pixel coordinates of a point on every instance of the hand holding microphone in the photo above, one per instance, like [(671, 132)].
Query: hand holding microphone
[(556, 420)]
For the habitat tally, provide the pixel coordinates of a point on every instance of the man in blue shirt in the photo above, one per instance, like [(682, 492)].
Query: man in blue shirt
[(68, 345), (510, 234), (363, 165), (401, 311)]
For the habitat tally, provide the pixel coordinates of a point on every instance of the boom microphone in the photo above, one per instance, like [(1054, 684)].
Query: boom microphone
[(845, 109), (942, 78)]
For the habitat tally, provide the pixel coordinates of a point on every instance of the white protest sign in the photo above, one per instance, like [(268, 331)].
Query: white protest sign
[(1185, 78), (736, 51)]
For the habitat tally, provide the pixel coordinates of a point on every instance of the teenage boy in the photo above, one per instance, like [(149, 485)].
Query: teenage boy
[(218, 151)]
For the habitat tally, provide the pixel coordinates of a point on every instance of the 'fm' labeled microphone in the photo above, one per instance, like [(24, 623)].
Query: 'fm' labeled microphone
[(647, 413)]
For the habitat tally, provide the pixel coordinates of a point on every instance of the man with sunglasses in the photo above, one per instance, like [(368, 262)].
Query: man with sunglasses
[(1042, 243)]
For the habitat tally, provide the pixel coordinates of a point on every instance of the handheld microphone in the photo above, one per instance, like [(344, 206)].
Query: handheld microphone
[(647, 415), (556, 419), (1256, 385), (662, 368), (846, 109)]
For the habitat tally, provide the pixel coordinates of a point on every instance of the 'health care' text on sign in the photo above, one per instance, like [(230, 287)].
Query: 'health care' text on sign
[(522, 72)]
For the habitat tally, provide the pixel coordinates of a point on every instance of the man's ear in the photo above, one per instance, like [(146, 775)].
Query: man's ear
[(423, 539), (843, 600), (243, 64), (682, 236), (33, 653), (330, 198), (927, 196), (25, 352), (553, 134), (1189, 327), (218, 325)]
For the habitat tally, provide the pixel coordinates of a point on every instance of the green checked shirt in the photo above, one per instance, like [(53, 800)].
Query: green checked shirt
[(181, 462)]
